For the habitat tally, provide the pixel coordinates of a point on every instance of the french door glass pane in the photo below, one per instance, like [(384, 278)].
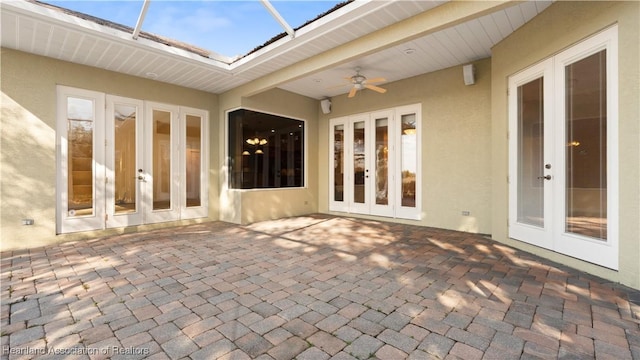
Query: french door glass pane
[(80, 125), (194, 139), (359, 162), (125, 177), (530, 153), (161, 160), (338, 163), (382, 161), (586, 146), (409, 161)]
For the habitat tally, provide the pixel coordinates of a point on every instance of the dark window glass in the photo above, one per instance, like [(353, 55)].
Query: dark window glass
[(265, 151)]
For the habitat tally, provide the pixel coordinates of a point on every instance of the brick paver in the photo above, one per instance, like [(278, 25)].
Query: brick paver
[(309, 287)]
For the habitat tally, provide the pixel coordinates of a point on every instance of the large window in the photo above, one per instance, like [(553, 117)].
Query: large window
[(265, 150)]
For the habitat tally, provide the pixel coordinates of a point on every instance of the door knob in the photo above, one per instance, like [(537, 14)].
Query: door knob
[(546, 177)]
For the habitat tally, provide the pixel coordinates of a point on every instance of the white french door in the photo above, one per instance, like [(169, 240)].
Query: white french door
[(375, 163), (161, 168), (531, 156), (135, 163), (80, 141), (563, 174), (359, 160), (125, 179)]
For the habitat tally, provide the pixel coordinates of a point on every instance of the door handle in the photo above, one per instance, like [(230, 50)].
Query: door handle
[(546, 177)]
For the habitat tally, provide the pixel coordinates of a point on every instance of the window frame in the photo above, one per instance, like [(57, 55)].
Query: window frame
[(227, 155)]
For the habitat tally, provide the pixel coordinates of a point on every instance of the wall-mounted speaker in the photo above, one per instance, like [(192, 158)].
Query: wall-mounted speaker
[(326, 106), (469, 74)]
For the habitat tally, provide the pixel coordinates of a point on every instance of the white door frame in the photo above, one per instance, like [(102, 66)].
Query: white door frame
[(388, 209), (597, 251), (66, 219), (189, 212), (394, 208), (114, 219), (350, 153), (103, 212), (335, 205), (540, 236), (554, 235), (167, 148)]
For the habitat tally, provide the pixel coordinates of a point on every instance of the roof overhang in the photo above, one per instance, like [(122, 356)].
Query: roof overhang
[(355, 32)]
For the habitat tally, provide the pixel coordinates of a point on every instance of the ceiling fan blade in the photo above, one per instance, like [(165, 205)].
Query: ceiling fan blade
[(353, 91), (375, 88), (375, 80)]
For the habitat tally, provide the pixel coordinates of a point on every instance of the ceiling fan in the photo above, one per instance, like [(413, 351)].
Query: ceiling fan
[(359, 82)]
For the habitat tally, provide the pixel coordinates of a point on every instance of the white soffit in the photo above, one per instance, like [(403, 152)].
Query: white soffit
[(461, 44), (36, 29)]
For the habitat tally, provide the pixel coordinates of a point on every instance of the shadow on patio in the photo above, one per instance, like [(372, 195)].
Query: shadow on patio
[(312, 287)]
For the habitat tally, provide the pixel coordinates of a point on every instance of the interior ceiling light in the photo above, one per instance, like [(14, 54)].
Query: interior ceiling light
[(256, 141), (409, 51), (151, 75)]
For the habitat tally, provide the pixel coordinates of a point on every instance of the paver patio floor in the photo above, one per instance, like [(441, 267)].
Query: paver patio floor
[(311, 287)]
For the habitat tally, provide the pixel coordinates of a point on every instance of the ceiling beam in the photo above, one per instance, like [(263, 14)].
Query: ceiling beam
[(276, 15), (143, 13)]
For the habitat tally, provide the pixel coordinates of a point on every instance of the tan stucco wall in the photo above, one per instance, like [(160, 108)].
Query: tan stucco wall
[(456, 147), (558, 27), (248, 206), (28, 147)]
